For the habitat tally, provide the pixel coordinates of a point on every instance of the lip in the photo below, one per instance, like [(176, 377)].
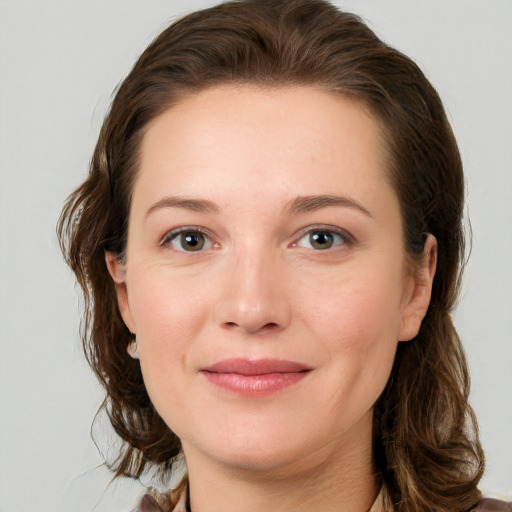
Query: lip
[(255, 377)]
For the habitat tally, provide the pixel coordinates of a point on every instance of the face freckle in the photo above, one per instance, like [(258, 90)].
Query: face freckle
[(265, 274)]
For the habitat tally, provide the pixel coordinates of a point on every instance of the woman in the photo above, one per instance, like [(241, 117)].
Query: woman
[(269, 242)]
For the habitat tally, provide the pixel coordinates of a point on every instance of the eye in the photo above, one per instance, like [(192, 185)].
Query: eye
[(322, 239), (187, 240)]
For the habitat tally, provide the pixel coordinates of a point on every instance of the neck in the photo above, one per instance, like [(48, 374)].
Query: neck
[(329, 480)]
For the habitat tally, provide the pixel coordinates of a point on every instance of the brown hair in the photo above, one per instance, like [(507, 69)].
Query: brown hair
[(425, 437)]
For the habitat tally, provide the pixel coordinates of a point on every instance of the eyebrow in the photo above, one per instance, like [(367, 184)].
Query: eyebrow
[(194, 205), (301, 204), (312, 203)]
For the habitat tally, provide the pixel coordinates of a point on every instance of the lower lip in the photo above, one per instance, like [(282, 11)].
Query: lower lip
[(254, 385)]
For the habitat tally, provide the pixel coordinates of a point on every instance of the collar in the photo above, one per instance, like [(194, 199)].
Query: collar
[(149, 504)]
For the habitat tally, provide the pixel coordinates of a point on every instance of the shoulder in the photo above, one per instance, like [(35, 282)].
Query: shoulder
[(174, 501), (493, 505), (148, 503)]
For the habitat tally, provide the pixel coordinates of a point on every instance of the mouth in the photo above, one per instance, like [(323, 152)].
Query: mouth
[(255, 377)]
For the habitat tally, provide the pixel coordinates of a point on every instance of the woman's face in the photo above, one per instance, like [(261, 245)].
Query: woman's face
[(265, 275)]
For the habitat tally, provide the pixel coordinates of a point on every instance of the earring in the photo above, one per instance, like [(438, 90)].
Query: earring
[(132, 348)]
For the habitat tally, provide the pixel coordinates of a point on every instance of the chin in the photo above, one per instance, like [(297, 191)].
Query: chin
[(269, 463), (271, 454)]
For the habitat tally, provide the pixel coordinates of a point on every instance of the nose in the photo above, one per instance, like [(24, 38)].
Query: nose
[(253, 296)]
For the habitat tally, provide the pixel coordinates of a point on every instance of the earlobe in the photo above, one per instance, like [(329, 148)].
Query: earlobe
[(132, 348), (418, 296), (117, 271)]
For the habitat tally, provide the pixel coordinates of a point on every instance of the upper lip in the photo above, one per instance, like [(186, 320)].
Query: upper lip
[(244, 366)]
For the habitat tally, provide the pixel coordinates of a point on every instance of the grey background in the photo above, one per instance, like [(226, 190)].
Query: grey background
[(59, 63)]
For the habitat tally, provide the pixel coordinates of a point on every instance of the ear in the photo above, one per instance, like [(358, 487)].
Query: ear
[(418, 292), (117, 271)]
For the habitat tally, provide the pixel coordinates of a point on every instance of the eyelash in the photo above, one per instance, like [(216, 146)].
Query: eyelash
[(173, 236)]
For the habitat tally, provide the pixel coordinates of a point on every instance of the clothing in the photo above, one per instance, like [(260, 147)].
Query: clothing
[(149, 504), (494, 505)]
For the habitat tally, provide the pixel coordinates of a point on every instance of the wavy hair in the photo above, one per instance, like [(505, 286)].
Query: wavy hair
[(426, 444)]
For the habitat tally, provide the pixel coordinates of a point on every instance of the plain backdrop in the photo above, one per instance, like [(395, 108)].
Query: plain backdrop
[(59, 63)]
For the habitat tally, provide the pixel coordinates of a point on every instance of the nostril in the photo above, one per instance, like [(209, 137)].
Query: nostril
[(268, 327), (262, 328)]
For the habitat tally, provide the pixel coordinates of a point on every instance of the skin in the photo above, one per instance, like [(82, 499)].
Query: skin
[(259, 288)]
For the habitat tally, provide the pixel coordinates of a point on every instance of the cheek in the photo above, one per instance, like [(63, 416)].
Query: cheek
[(164, 306), (366, 309), (358, 323), (169, 316)]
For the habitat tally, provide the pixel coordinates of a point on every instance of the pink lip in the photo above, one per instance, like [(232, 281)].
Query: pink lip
[(255, 377)]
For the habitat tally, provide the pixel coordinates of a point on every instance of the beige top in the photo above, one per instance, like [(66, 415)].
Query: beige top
[(181, 506), (149, 504)]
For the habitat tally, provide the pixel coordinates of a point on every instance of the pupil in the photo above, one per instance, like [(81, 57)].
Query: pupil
[(321, 240), (192, 241)]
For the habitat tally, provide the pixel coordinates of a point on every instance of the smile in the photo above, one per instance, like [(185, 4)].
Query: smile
[(260, 377)]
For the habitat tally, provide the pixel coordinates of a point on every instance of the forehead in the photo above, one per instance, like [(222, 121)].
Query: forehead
[(235, 129), (260, 147)]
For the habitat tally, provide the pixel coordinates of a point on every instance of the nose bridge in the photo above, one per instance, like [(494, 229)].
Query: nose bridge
[(253, 298)]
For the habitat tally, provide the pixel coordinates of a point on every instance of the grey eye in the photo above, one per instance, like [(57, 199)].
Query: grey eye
[(321, 239), (190, 241)]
